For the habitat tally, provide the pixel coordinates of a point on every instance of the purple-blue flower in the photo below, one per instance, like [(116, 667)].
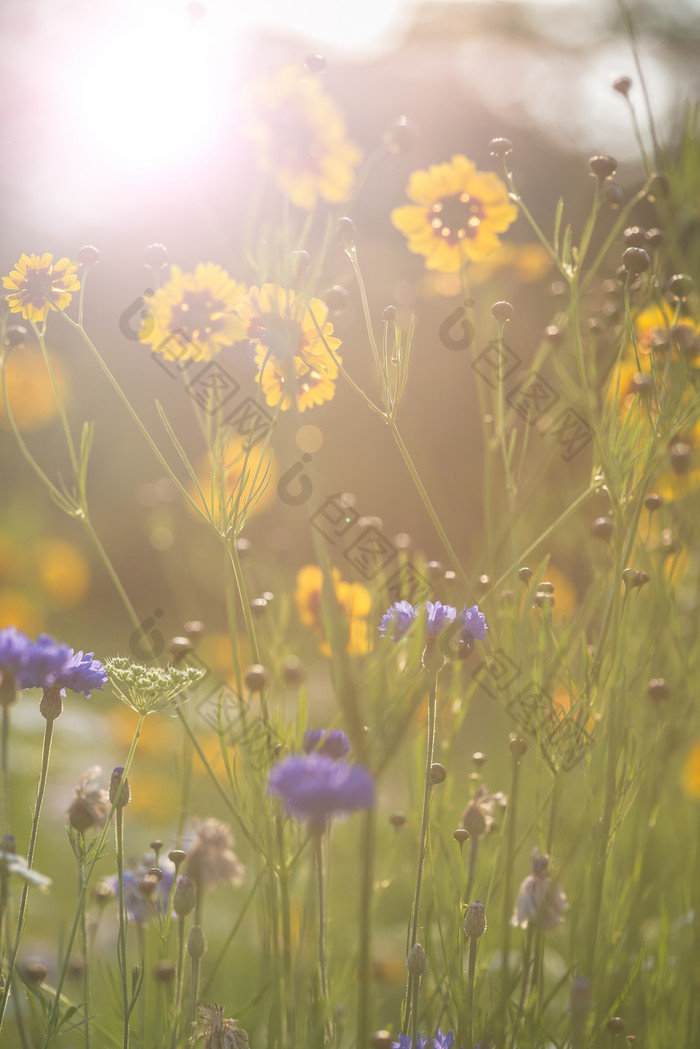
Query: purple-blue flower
[(398, 620), (82, 674), (15, 649), (473, 624), (437, 616), (315, 787), (143, 895), (334, 744), (440, 1041), (48, 659)]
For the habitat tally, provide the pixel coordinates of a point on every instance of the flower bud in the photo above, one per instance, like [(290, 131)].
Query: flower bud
[(51, 705), (15, 335), (315, 63), (653, 502), (603, 166), (635, 237), (438, 773), (124, 794), (615, 1025), (336, 298), (680, 286), (382, 1040), (417, 962), (658, 689), (502, 311), (654, 237), (164, 971), (293, 672), (177, 857), (602, 528), (185, 896), (460, 835), (517, 746), (500, 147), (88, 255), (255, 678), (546, 588), (475, 920), (346, 230), (196, 942), (179, 647), (636, 260), (622, 85), (525, 575), (156, 256)]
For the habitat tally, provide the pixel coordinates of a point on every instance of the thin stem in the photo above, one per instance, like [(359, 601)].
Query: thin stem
[(367, 849), (59, 400), (527, 953), (473, 947), (41, 788), (473, 860), (123, 925), (511, 811), (318, 860), (413, 925), (283, 879)]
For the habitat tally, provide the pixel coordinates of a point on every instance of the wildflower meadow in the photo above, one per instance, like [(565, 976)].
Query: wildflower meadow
[(349, 546)]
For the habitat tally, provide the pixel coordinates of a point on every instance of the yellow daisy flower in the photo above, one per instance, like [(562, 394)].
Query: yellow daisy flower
[(293, 362), (354, 604), (38, 284), (300, 137), (193, 314), (456, 215)]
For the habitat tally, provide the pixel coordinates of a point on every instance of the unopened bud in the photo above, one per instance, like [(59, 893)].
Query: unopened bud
[(502, 311), (122, 796), (255, 678), (438, 773), (622, 85), (417, 961), (500, 147), (196, 942), (460, 835), (397, 819), (156, 256), (185, 896), (475, 920), (88, 255), (603, 166)]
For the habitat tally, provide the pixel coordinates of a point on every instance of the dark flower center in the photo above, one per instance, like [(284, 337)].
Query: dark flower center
[(456, 217), (282, 335), (38, 287), (198, 316)]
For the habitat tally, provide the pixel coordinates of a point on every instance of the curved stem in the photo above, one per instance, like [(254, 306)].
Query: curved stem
[(123, 926)]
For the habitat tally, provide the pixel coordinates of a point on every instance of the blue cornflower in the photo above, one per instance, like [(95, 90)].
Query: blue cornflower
[(437, 616), (314, 787), (334, 744), (82, 674), (48, 660), (440, 1041), (15, 649), (143, 894), (398, 620), (473, 625)]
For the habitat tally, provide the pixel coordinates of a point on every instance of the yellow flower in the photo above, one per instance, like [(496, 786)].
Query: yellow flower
[(29, 390), (456, 215), (300, 137), (249, 494), (292, 359), (354, 603), (691, 772), (39, 285), (193, 314), (656, 333), (18, 610), (525, 263)]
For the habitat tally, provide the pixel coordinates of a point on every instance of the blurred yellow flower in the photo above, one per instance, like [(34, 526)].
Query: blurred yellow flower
[(690, 776), (680, 474), (193, 315), (656, 333), (525, 263), (29, 390), (248, 482), (292, 359), (18, 610), (300, 137), (62, 571), (354, 603), (38, 284), (456, 215)]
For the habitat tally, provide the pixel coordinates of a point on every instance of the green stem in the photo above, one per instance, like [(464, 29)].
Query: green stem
[(178, 987), (527, 953), (411, 988), (511, 812), (52, 1018), (41, 788), (123, 925), (473, 947), (366, 891), (283, 878), (59, 400)]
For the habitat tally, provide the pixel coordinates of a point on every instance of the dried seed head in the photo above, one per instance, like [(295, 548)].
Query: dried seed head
[(636, 260), (211, 858), (603, 166), (502, 311), (500, 147)]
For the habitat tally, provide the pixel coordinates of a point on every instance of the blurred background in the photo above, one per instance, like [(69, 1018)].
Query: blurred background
[(123, 127)]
